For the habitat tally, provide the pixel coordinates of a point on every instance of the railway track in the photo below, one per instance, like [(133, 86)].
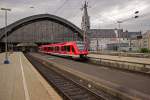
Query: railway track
[(66, 87)]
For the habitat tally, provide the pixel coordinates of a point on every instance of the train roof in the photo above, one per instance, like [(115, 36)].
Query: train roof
[(60, 44), (63, 43)]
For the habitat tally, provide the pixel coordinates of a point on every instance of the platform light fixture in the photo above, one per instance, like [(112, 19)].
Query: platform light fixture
[(6, 61)]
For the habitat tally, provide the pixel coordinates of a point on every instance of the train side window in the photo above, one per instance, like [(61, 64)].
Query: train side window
[(54, 48), (57, 48), (68, 48), (49, 48), (73, 49), (62, 48), (65, 48)]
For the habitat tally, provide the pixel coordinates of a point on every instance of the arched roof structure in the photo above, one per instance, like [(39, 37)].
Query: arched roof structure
[(35, 18)]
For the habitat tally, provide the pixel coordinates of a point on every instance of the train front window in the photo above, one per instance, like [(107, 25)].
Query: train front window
[(80, 45)]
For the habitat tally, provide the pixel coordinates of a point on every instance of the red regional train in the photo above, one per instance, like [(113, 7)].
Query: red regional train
[(74, 49)]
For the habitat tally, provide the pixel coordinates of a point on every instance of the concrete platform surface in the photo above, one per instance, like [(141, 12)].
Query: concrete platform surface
[(19, 80), (121, 58)]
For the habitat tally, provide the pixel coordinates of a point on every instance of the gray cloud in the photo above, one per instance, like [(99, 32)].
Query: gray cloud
[(103, 13)]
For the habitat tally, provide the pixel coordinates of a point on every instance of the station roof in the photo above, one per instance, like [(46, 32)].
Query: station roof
[(102, 33), (110, 33), (14, 26)]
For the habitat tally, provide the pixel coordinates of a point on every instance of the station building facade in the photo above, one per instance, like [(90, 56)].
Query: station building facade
[(108, 39), (141, 42)]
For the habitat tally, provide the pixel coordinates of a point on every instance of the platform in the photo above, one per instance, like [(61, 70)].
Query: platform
[(122, 58), (19, 80)]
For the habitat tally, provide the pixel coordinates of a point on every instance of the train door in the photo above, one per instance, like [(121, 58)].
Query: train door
[(72, 50), (68, 49), (62, 49), (45, 49)]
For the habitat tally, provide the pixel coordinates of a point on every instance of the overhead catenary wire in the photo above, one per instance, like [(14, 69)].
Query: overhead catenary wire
[(60, 7)]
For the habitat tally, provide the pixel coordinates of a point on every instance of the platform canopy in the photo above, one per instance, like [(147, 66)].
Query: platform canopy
[(27, 45)]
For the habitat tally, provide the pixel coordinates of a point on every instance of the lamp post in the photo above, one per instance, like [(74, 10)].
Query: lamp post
[(33, 29), (97, 45), (119, 32), (119, 35), (6, 61)]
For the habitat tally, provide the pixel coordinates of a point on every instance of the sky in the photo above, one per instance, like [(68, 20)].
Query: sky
[(103, 14)]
